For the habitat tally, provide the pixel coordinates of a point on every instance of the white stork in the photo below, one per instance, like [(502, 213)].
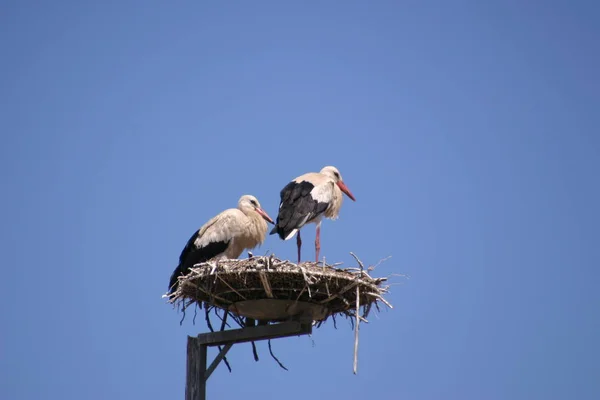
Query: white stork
[(225, 236), (308, 198)]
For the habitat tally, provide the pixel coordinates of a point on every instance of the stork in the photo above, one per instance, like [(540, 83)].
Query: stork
[(306, 200), (225, 236)]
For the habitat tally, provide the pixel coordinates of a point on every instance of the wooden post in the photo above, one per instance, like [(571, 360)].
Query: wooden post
[(195, 385)]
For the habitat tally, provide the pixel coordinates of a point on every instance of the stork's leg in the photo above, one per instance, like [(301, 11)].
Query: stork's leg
[(299, 243), (318, 241)]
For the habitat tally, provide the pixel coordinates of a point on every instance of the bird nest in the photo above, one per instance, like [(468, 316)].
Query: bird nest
[(271, 290), (268, 289)]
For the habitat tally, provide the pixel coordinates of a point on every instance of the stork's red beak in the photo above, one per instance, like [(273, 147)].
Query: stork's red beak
[(345, 189), (264, 215)]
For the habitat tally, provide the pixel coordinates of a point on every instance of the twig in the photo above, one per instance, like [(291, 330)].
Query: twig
[(183, 314), (379, 263), (302, 291), (367, 309), (254, 352), (229, 286), (225, 360), (356, 329), (239, 321), (223, 320), (213, 295), (207, 317), (306, 280), (344, 290), (365, 274), (273, 355), (384, 301), (358, 261), (343, 299), (237, 318), (265, 282), (213, 267)]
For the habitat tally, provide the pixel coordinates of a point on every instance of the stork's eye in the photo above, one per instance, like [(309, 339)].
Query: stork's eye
[(253, 203), (337, 175)]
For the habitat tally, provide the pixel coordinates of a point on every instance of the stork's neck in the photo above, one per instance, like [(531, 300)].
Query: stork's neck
[(257, 226), (335, 204)]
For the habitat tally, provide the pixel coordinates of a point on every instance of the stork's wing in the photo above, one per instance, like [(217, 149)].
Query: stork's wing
[(300, 203), (189, 246), (220, 229), (209, 241)]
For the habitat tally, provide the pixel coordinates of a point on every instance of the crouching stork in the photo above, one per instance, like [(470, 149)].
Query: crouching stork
[(225, 236), (306, 200)]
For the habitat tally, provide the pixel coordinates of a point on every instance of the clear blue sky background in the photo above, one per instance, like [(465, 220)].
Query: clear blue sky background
[(468, 131)]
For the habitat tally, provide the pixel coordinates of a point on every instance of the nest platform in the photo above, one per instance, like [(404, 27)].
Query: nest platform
[(269, 289)]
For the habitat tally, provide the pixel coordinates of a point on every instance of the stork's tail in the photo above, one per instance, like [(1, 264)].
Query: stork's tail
[(283, 234), (173, 282)]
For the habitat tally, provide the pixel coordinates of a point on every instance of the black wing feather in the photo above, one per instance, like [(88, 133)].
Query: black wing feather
[(296, 208), (191, 255)]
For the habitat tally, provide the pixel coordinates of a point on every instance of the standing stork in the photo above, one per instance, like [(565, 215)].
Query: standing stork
[(308, 198), (226, 235)]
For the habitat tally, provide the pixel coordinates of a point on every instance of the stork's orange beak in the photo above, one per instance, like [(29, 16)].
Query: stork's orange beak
[(345, 189), (264, 215)]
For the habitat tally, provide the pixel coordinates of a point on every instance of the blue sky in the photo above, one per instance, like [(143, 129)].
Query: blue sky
[(468, 132)]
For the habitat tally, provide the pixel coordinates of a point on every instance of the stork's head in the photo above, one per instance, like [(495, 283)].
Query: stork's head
[(334, 174), (249, 203)]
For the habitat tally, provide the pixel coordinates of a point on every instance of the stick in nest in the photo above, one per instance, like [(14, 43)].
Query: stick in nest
[(356, 329), (254, 352), (275, 358), (207, 317), (223, 319), (362, 267), (371, 268)]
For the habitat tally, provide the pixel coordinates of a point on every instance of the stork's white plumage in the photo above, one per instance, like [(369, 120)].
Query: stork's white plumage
[(226, 235), (306, 200)]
